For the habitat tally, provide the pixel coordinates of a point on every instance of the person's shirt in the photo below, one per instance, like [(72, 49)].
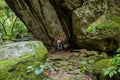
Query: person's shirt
[(58, 41)]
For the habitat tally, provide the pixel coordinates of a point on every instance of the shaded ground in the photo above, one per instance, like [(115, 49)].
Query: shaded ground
[(72, 65), (68, 65)]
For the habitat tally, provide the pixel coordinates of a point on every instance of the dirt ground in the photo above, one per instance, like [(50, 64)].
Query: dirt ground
[(65, 65)]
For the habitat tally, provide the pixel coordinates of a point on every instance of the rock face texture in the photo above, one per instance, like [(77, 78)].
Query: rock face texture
[(96, 25), (91, 24)]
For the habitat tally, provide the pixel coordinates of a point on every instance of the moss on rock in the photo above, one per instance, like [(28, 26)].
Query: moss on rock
[(15, 68), (102, 64), (105, 64), (103, 26)]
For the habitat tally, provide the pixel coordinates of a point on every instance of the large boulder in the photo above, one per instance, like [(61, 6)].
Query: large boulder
[(46, 19), (91, 24), (106, 64), (40, 17), (16, 57), (96, 25)]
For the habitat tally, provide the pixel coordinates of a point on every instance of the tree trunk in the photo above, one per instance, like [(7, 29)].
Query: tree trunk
[(3, 25), (13, 26)]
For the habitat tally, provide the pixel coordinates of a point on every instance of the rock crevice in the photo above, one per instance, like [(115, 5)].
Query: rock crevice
[(83, 23)]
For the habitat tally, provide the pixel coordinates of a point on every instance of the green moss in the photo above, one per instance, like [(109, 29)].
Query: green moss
[(6, 37), (102, 64), (40, 52), (115, 21), (110, 21), (16, 68), (105, 64), (103, 25), (98, 26), (92, 58)]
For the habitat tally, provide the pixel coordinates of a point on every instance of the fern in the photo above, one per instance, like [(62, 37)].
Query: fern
[(114, 68)]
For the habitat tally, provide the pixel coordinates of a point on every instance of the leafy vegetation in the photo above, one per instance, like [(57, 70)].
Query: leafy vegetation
[(85, 66), (39, 70), (103, 22), (114, 69), (10, 25), (15, 67), (97, 26), (118, 50)]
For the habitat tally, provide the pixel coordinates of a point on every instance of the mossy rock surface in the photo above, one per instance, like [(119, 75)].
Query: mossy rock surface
[(97, 26), (16, 57), (102, 64)]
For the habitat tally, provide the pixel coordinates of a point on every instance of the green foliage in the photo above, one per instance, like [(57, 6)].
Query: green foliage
[(111, 21), (114, 69), (118, 50), (9, 23), (111, 71), (16, 68), (85, 68), (46, 79), (97, 26), (39, 70), (6, 37), (115, 60), (99, 65)]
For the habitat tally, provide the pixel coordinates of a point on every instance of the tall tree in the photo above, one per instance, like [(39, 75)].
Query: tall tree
[(9, 23)]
